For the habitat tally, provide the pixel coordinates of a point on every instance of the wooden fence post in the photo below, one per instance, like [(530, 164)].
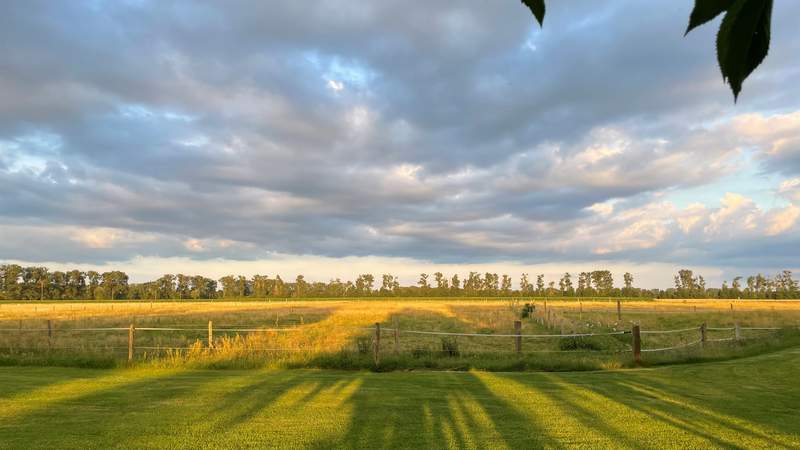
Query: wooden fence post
[(619, 311), (49, 334), (637, 345), (518, 338), (377, 343), (210, 334), (737, 332), (395, 324), (130, 343), (703, 334), (580, 310)]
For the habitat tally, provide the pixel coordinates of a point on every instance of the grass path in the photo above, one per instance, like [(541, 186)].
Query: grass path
[(746, 403)]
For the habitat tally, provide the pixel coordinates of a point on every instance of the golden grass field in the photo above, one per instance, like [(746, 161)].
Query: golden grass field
[(303, 330)]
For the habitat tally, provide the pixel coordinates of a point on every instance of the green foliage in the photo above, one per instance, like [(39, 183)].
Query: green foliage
[(742, 40), (527, 311), (578, 343), (450, 346), (419, 352), (706, 10), (364, 345), (537, 7)]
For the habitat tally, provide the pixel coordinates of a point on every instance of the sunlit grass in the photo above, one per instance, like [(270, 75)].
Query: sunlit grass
[(745, 403), (336, 334)]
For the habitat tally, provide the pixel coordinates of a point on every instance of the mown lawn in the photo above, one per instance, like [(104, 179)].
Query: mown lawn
[(745, 403)]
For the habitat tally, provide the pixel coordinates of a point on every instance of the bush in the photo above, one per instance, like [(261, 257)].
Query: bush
[(364, 345), (450, 346), (578, 343), (527, 311), (421, 352)]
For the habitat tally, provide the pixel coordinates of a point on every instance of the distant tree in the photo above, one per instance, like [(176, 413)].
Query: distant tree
[(182, 286), (551, 288), (300, 286), (525, 286), (166, 286), (441, 283), (114, 284), (603, 282), (94, 283), (565, 285), (76, 285), (228, 283), (627, 280), (491, 283), (261, 286), (689, 286), (785, 285), (58, 285), (423, 283), (41, 278), (278, 287), (505, 285), (540, 284), (11, 275), (736, 287), (455, 284)]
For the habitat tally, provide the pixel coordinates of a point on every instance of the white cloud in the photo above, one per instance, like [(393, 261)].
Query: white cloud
[(783, 220), (737, 213), (104, 238), (336, 86), (790, 189)]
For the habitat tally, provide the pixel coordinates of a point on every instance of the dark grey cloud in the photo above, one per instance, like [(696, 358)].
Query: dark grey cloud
[(443, 131)]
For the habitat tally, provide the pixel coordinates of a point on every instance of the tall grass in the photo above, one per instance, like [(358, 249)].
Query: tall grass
[(337, 335)]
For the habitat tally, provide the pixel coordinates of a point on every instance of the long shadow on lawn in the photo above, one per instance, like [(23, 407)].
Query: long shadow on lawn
[(645, 401), (444, 410), (358, 409), (724, 405)]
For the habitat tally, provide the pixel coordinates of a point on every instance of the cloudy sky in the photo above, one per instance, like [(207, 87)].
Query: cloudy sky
[(335, 137)]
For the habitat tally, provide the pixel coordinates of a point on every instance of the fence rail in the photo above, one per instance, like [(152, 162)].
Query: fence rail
[(209, 344)]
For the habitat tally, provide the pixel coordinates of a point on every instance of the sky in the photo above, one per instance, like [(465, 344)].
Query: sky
[(338, 137)]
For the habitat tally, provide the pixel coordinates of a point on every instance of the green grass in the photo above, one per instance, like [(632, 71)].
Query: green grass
[(744, 403)]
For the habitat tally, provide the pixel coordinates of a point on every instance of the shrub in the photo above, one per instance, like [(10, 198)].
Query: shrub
[(364, 345), (578, 343), (421, 352), (450, 346), (527, 311)]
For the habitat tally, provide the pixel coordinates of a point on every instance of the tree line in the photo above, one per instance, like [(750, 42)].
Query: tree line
[(39, 283)]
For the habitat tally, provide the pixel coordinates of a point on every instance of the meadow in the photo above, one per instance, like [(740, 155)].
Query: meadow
[(71, 385), (453, 334)]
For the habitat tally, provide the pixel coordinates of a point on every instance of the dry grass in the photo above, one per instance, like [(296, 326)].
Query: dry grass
[(316, 333)]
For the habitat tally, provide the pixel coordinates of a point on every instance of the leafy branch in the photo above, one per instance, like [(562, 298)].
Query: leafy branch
[(742, 40)]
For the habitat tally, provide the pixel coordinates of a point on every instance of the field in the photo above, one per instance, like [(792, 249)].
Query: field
[(435, 333), (744, 403), (68, 382)]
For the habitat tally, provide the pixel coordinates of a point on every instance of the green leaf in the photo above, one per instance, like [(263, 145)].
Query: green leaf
[(537, 8), (706, 10), (743, 40)]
